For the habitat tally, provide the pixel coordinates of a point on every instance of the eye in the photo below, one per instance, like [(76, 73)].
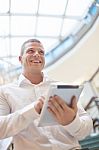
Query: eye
[(30, 51), (41, 52)]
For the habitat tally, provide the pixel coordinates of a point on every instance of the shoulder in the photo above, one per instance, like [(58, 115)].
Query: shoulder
[(56, 82), (7, 86)]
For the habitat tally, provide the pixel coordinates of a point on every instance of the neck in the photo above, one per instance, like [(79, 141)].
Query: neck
[(35, 78)]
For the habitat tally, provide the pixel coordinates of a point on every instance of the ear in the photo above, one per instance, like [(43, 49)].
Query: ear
[(20, 58)]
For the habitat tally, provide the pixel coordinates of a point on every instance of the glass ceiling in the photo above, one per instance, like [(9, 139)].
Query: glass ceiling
[(50, 21)]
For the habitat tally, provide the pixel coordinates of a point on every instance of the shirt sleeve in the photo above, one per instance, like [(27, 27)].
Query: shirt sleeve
[(12, 124), (81, 126)]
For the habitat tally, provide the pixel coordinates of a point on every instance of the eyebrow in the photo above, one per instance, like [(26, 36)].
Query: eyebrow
[(39, 48)]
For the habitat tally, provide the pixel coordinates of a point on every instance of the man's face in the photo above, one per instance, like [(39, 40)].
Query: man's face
[(33, 58)]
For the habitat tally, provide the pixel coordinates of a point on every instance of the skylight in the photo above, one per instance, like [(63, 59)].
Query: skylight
[(47, 20)]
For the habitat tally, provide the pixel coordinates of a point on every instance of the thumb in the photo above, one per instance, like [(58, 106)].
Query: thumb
[(74, 104)]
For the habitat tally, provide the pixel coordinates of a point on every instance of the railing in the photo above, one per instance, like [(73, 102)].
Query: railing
[(95, 119), (91, 142)]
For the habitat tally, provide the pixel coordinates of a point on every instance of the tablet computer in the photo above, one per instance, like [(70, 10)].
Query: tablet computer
[(65, 92)]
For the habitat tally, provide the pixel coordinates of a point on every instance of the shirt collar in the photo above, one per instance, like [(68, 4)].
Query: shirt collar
[(23, 80)]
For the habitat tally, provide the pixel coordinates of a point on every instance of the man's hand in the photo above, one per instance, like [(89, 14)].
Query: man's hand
[(61, 111), (39, 104)]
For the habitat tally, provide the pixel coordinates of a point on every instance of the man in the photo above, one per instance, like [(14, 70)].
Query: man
[(21, 104)]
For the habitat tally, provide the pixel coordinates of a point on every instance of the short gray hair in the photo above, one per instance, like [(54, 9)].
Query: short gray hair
[(28, 41)]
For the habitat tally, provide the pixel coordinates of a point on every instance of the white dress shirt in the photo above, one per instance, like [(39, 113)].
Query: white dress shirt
[(17, 119)]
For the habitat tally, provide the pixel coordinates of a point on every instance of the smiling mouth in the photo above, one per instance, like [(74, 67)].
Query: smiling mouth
[(36, 61)]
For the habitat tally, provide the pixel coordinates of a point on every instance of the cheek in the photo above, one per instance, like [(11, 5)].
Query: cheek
[(44, 62), (43, 59), (24, 60)]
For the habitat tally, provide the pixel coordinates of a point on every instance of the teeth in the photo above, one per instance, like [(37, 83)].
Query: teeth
[(36, 61)]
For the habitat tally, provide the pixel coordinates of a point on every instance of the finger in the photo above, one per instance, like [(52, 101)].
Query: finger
[(61, 102), (42, 99), (52, 112), (56, 104), (55, 108), (39, 104), (74, 103)]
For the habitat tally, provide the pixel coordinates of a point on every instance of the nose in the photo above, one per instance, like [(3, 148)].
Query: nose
[(36, 53)]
